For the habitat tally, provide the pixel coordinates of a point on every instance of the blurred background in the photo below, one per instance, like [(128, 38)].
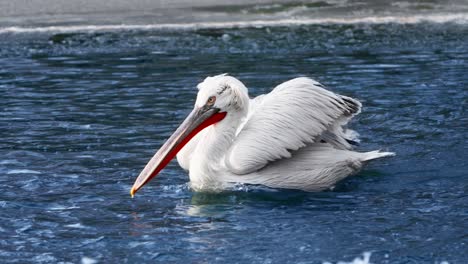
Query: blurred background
[(90, 89), (42, 13)]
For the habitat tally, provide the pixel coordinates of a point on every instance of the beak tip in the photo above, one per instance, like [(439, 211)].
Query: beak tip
[(132, 192)]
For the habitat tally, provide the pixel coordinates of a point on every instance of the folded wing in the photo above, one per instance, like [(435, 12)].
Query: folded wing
[(296, 113)]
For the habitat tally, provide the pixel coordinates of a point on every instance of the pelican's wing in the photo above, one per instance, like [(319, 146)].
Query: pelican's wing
[(296, 113)]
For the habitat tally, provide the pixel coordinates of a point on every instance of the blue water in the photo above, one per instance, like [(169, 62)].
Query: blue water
[(82, 112)]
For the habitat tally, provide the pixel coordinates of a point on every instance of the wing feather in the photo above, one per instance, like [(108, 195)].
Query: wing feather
[(294, 114)]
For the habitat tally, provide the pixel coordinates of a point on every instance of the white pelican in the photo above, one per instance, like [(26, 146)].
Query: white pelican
[(293, 137)]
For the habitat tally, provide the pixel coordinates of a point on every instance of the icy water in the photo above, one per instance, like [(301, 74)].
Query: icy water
[(82, 111)]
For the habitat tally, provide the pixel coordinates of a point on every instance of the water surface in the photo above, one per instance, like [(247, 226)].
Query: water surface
[(83, 111)]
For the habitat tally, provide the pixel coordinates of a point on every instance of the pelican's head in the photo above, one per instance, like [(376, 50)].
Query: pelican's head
[(217, 97), (224, 92)]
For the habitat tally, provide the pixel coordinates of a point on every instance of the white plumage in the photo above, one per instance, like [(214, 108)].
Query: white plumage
[(294, 137), (294, 114)]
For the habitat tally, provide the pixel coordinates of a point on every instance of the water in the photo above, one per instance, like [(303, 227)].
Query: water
[(83, 110)]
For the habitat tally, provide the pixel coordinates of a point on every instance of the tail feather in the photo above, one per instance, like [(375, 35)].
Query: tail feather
[(376, 154)]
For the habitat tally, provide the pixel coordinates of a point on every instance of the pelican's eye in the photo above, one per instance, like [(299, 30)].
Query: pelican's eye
[(211, 100)]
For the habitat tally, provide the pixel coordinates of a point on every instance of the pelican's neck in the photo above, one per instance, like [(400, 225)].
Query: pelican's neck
[(208, 156)]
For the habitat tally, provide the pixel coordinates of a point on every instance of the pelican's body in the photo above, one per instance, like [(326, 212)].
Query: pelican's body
[(291, 138)]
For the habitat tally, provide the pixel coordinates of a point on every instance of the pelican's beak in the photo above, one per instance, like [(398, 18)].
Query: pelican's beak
[(196, 121)]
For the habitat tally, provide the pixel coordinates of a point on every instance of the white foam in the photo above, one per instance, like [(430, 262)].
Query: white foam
[(364, 260), (88, 260), (24, 171), (77, 225), (461, 18)]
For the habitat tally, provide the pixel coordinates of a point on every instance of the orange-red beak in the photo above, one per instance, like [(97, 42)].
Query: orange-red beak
[(196, 121)]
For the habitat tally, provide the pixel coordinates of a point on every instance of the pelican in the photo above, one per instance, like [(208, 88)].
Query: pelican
[(293, 137)]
